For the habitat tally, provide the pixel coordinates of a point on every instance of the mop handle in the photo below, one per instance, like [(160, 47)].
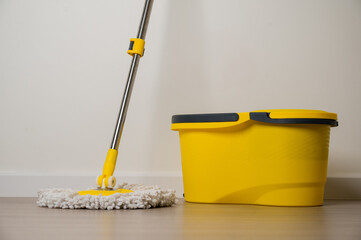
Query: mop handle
[(136, 49)]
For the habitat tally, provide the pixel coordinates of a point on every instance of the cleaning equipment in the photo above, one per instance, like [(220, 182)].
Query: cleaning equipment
[(136, 49), (139, 196), (268, 157), (107, 195)]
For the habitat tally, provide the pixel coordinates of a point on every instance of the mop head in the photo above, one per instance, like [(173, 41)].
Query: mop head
[(142, 197)]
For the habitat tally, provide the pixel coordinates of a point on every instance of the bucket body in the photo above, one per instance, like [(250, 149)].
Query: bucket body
[(247, 160)]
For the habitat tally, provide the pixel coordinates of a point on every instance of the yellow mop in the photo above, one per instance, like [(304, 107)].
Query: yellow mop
[(107, 195)]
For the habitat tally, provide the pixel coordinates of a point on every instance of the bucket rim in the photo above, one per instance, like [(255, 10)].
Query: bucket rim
[(275, 116)]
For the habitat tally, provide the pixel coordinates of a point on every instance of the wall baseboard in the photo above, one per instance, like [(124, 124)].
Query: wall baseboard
[(22, 185), (12, 185), (343, 188)]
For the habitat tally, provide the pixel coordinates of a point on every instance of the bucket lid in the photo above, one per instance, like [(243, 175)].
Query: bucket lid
[(275, 116)]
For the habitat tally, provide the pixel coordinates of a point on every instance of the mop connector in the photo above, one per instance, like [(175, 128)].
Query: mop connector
[(107, 180)]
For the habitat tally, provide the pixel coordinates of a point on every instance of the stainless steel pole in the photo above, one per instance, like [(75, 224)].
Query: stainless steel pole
[(131, 77)]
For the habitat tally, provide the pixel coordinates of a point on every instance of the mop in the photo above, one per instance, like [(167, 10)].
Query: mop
[(129, 197), (108, 195)]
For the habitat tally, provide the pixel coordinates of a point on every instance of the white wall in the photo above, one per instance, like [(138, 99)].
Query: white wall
[(63, 66)]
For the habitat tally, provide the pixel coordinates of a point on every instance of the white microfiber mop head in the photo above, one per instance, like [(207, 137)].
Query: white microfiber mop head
[(143, 197)]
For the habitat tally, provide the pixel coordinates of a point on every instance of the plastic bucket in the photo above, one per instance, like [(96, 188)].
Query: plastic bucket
[(268, 157)]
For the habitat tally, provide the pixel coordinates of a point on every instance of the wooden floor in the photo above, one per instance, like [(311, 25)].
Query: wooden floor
[(20, 218)]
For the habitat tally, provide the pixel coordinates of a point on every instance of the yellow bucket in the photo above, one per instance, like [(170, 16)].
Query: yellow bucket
[(268, 157)]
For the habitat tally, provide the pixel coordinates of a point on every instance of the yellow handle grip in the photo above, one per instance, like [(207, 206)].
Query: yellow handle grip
[(136, 47)]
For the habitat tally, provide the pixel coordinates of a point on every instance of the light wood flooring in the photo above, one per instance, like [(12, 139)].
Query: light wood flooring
[(21, 218)]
